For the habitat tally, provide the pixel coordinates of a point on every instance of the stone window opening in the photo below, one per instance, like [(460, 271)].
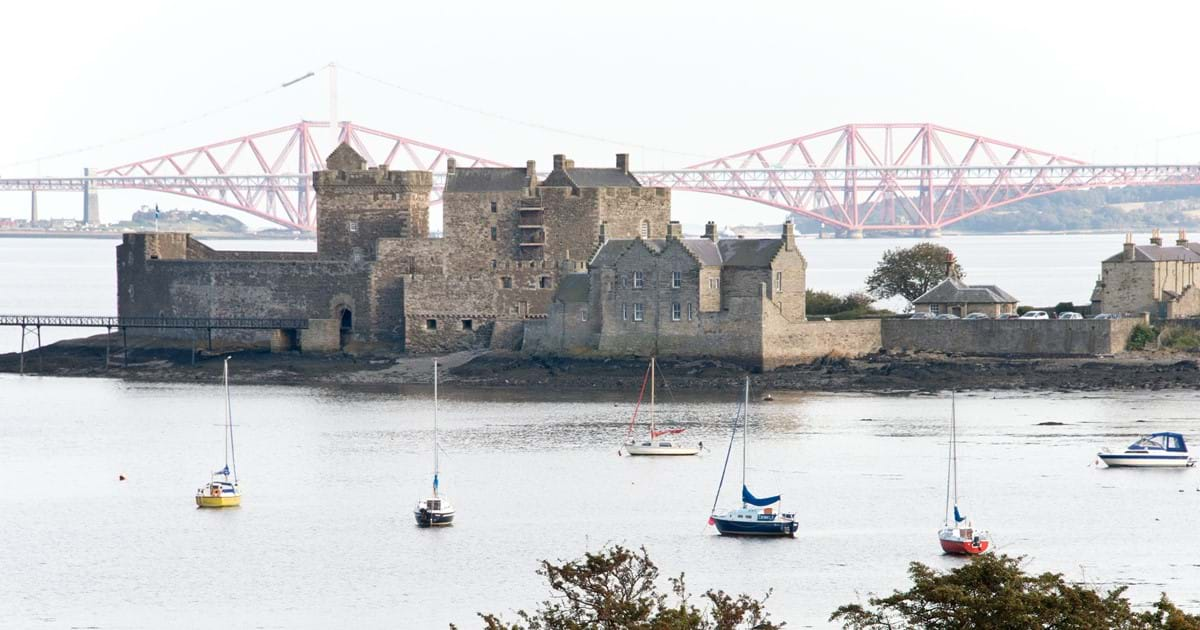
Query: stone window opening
[(345, 326), (638, 280), (506, 282), (352, 226), (691, 311), (493, 232), (468, 324), (493, 264), (624, 312), (431, 324), (583, 315), (779, 281), (714, 283), (935, 308), (676, 312), (637, 311), (493, 206), (624, 282), (676, 279), (644, 229), (544, 282)]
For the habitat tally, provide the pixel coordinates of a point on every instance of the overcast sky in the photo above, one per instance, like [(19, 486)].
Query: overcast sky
[(669, 82)]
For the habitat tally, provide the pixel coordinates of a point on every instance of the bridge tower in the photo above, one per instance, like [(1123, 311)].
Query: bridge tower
[(91, 201)]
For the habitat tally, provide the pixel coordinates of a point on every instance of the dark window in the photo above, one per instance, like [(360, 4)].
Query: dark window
[(506, 282), (468, 324), (544, 282), (493, 233), (493, 206), (493, 264), (431, 324)]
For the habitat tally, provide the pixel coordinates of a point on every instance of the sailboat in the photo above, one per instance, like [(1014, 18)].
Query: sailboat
[(656, 443), (435, 510), (222, 487), (754, 518), (955, 537)]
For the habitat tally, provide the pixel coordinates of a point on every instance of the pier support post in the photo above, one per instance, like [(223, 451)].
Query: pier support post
[(39, 348), (22, 355), (124, 348), (32, 208), (107, 346)]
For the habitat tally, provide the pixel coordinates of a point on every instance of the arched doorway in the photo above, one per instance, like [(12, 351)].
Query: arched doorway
[(345, 326)]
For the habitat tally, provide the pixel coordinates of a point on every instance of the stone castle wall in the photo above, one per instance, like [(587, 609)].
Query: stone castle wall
[(1063, 337)]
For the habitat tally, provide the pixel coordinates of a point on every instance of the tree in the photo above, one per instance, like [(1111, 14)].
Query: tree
[(992, 593), (617, 589), (910, 272)]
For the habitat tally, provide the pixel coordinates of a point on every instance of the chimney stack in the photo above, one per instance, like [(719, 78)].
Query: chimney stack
[(531, 175), (449, 166), (1127, 253), (1155, 237), (559, 159), (950, 265), (789, 235), (568, 164), (1182, 240), (623, 162), (674, 230), (710, 231)]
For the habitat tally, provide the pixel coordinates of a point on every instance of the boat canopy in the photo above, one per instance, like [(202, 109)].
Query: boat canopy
[(1172, 442), (753, 500)]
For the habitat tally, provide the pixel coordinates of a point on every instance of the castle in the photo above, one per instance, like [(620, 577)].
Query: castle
[(584, 261)]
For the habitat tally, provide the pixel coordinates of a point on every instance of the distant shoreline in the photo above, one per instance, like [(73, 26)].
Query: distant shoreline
[(117, 235)]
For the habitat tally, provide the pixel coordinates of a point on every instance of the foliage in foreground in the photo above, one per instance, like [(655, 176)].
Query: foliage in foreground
[(910, 272), (617, 588), (992, 593), (850, 306), (1180, 338), (1141, 336)]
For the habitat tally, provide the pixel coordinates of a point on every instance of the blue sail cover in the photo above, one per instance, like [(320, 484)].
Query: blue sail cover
[(753, 500), (958, 518), (435, 482)]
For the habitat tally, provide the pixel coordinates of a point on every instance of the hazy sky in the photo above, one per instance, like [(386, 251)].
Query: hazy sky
[(1100, 81)]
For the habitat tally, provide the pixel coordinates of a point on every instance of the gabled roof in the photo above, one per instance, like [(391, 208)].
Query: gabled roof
[(955, 291), (1158, 253), (573, 287), (345, 158), (749, 252), (592, 178), (487, 180), (705, 250)]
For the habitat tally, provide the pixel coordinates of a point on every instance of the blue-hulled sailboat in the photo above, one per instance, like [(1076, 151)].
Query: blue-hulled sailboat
[(436, 510), (755, 517)]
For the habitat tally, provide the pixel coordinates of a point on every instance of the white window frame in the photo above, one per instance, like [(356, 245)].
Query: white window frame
[(714, 283), (676, 279), (779, 281), (676, 311), (639, 280), (637, 312)]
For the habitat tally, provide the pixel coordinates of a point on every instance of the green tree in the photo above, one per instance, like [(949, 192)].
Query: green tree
[(910, 272), (617, 589), (991, 592)]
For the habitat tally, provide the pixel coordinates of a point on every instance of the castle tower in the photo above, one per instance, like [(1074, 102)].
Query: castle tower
[(357, 205)]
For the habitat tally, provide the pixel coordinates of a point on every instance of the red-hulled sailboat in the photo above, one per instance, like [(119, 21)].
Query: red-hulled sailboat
[(956, 537)]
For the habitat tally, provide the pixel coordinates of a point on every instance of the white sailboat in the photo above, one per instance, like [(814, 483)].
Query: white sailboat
[(657, 442), (222, 488), (435, 510), (957, 537)]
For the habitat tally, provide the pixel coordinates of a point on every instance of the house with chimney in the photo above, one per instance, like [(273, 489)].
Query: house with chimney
[(1152, 278)]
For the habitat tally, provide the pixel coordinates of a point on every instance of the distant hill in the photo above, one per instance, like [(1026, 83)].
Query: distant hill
[(193, 221)]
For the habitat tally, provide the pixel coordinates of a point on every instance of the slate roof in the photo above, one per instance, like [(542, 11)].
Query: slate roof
[(749, 252), (1158, 253), (573, 287), (955, 291), (487, 180), (741, 252), (592, 178)]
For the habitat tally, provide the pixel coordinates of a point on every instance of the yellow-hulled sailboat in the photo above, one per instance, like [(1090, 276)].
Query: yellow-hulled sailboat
[(222, 488)]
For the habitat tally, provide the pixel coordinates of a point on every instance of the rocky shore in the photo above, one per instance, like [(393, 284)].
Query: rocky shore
[(880, 373)]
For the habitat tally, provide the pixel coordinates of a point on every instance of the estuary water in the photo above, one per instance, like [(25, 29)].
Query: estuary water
[(325, 535)]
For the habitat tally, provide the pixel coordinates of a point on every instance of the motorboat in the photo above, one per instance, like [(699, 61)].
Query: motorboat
[(435, 510), (958, 536), (1156, 450), (658, 441), (755, 517), (222, 488)]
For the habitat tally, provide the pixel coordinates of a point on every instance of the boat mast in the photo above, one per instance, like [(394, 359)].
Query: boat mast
[(652, 362), (435, 435), (954, 448), (229, 448), (745, 434)]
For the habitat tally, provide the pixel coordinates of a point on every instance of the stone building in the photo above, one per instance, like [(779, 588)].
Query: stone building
[(1152, 278), (955, 297), (734, 299), (378, 278)]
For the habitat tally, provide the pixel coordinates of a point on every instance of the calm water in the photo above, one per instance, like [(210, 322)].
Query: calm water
[(330, 477), (78, 276), (325, 536)]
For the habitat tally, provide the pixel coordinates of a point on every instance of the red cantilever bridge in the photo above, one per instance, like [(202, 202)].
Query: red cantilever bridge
[(853, 178)]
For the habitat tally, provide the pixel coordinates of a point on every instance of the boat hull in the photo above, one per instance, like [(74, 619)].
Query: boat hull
[(964, 547), (223, 501), (426, 518), (779, 527), (639, 450), (1132, 460)]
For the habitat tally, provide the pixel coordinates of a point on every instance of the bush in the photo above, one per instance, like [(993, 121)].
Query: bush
[(1140, 336), (1180, 338), (854, 305)]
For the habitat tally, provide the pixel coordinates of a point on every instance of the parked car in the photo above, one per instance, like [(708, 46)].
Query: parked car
[(922, 315), (1107, 316), (1008, 316), (947, 316), (1070, 315), (977, 316), (1036, 315)]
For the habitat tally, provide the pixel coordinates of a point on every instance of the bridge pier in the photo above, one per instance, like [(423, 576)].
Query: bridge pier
[(933, 233), (91, 202), (854, 234), (33, 207)]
